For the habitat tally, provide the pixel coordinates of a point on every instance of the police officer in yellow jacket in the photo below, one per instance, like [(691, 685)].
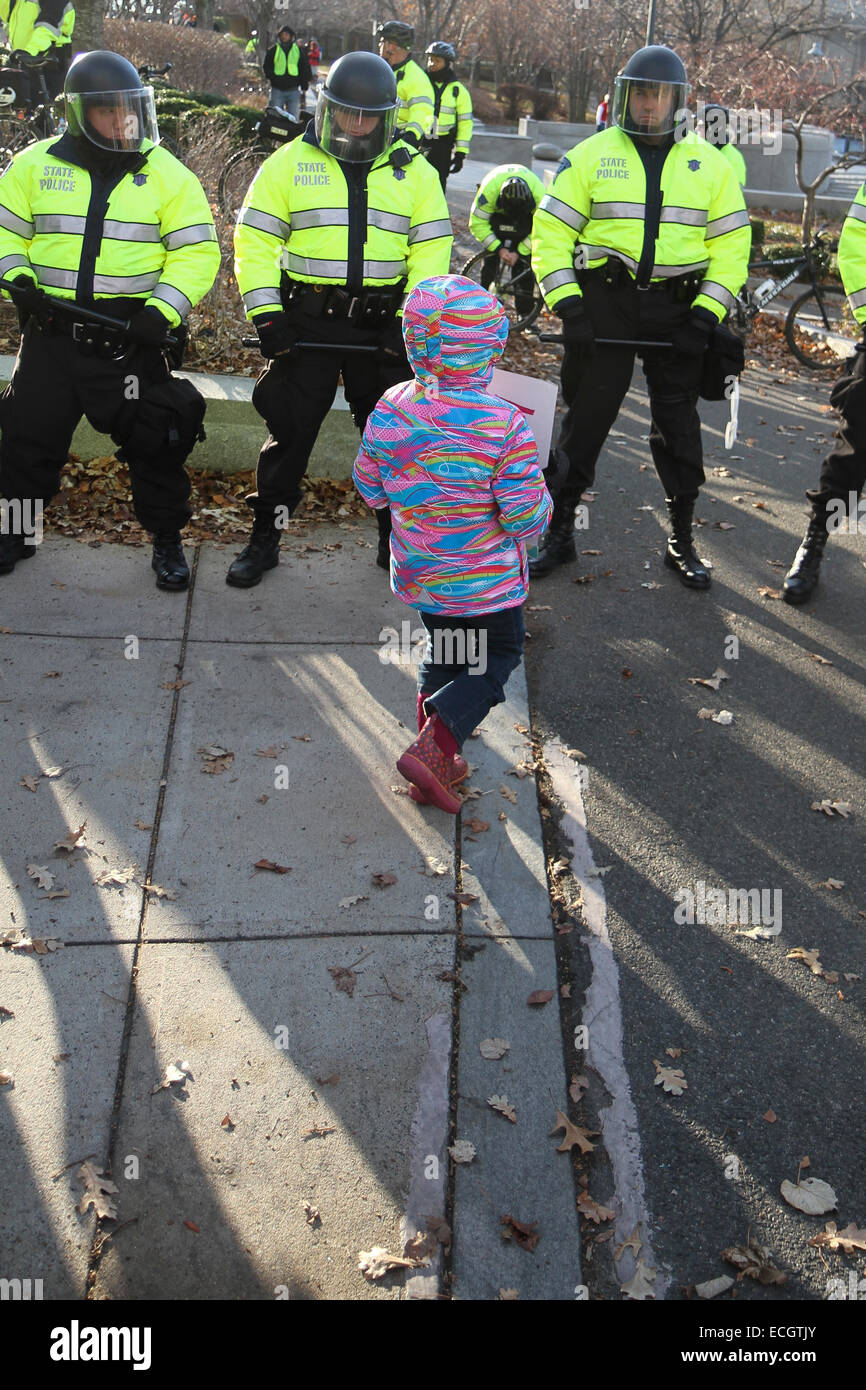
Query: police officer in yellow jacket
[(355, 221), (106, 219), (717, 132), (415, 94), (843, 472), (448, 143), (41, 28), (643, 237)]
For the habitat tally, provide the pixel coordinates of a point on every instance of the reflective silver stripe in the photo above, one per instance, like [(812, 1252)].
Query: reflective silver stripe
[(125, 284), (720, 225), (567, 214), (595, 253), (169, 295), (10, 263), (320, 217), (384, 270), (260, 299), (131, 231), (719, 293), (479, 212), (690, 217), (316, 270), (48, 222), (667, 272), (57, 279), (188, 236), (600, 210), (15, 224), (857, 299), (420, 101), (491, 240), (557, 278), (388, 221), (427, 231), (858, 210), (263, 222)]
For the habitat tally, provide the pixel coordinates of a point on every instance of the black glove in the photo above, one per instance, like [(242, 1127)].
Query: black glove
[(410, 137), (149, 327), (277, 337), (457, 162), (577, 332), (28, 297), (391, 341), (693, 337)]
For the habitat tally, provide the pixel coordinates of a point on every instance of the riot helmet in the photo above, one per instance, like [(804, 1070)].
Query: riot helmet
[(356, 110), (107, 103), (650, 93)]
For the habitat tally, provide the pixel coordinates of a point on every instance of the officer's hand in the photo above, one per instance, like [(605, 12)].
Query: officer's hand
[(509, 257), (693, 337), (28, 297), (277, 338), (391, 341), (577, 332), (411, 138), (457, 162), (149, 327)]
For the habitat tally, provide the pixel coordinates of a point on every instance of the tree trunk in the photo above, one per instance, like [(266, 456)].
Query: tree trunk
[(204, 13), (88, 33)]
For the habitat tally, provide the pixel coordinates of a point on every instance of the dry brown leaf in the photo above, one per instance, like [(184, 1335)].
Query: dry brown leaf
[(674, 1052), (58, 893), (770, 1116), (811, 1196), (271, 866), (43, 877), (712, 682), (477, 826), (540, 996), (755, 1260), (96, 1192), (215, 758), (831, 808), (634, 1244), (670, 1079), (523, 1232), (270, 752), (462, 1151), (353, 899), (503, 1106), (507, 1296), (176, 1073), (509, 795), (376, 1263), (640, 1285), (834, 883), (809, 958), (141, 825), (31, 783), (849, 1240), (822, 660), (592, 1210), (312, 1214), (573, 1135), (115, 878), (464, 898), (344, 978), (577, 1086), (173, 685), (767, 592), (383, 880), (493, 1048), (70, 841)]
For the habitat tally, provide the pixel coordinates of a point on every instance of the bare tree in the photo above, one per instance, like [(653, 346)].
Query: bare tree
[(848, 106)]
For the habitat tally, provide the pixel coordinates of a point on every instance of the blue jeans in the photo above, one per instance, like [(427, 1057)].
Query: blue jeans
[(290, 102), (467, 663)]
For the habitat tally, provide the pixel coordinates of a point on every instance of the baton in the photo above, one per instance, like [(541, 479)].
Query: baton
[(321, 347), (605, 342), (73, 310)]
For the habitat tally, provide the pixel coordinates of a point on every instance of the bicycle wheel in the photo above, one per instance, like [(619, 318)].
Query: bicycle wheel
[(520, 297), (821, 329), (237, 176), (14, 135)]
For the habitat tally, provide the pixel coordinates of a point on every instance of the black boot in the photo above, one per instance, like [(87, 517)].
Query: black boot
[(557, 545), (260, 554), (169, 561), (681, 554), (13, 549), (803, 574), (383, 551)]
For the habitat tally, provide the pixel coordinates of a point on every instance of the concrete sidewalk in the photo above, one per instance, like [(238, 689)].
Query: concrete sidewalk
[(300, 1090)]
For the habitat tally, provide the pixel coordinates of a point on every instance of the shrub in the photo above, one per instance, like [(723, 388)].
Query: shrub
[(208, 98), (201, 60), (240, 121)]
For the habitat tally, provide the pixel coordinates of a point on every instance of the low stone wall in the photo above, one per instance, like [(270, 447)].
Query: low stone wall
[(501, 149)]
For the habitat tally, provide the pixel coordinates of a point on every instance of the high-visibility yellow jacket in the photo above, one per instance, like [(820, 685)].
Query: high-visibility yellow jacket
[(595, 209), (452, 112), (155, 242), (484, 206), (415, 99), (852, 255), (34, 25), (736, 161), (296, 216)]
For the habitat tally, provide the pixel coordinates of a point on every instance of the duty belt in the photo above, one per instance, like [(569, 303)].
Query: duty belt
[(371, 307), (614, 272), (93, 339)]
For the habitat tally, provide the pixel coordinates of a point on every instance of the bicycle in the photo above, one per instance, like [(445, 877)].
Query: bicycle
[(820, 327), (518, 294), (274, 129), (23, 121)]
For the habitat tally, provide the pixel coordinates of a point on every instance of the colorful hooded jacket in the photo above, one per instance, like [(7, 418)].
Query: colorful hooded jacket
[(458, 467)]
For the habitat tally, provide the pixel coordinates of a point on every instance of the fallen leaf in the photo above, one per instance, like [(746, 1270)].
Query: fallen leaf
[(175, 1073), (173, 685), (507, 1296), (344, 978), (58, 893), (7, 1078), (811, 1195), (96, 1190), (712, 682), (674, 1052), (669, 1079), (44, 877), (312, 1214), (227, 1123), (809, 958), (51, 675), (706, 713), (592, 1210), (328, 1080), (70, 841), (141, 825), (110, 878), (477, 826), (503, 1106), (31, 783), (539, 608), (838, 808), (639, 1286), (835, 883), (573, 1135), (376, 1263), (493, 1048), (509, 795), (348, 839), (766, 592), (821, 660), (191, 1226), (383, 880), (724, 716), (159, 892), (462, 1151), (577, 1086), (271, 866), (848, 1240), (269, 752), (755, 1260), (215, 758), (634, 1244), (463, 898), (355, 898), (770, 1116), (302, 738), (540, 996), (523, 1232)]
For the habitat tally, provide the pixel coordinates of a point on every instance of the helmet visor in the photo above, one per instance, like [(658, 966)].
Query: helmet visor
[(643, 107), (118, 121), (353, 133)]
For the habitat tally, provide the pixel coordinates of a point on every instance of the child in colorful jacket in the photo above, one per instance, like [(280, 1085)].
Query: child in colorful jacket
[(459, 469)]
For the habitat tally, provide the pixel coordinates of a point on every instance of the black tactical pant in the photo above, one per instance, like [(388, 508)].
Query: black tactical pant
[(594, 388), (844, 469), (53, 385), (439, 153), (522, 267), (294, 396)]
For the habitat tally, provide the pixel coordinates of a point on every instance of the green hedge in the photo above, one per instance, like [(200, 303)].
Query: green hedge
[(241, 120), (208, 98)]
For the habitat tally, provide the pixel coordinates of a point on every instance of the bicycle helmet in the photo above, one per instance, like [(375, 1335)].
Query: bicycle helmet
[(440, 49), (515, 196), (395, 31)]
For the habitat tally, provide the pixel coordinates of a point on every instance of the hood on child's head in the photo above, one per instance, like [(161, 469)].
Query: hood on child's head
[(454, 330)]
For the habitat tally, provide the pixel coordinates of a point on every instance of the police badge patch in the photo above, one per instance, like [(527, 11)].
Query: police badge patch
[(139, 179), (399, 173), (694, 165)]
